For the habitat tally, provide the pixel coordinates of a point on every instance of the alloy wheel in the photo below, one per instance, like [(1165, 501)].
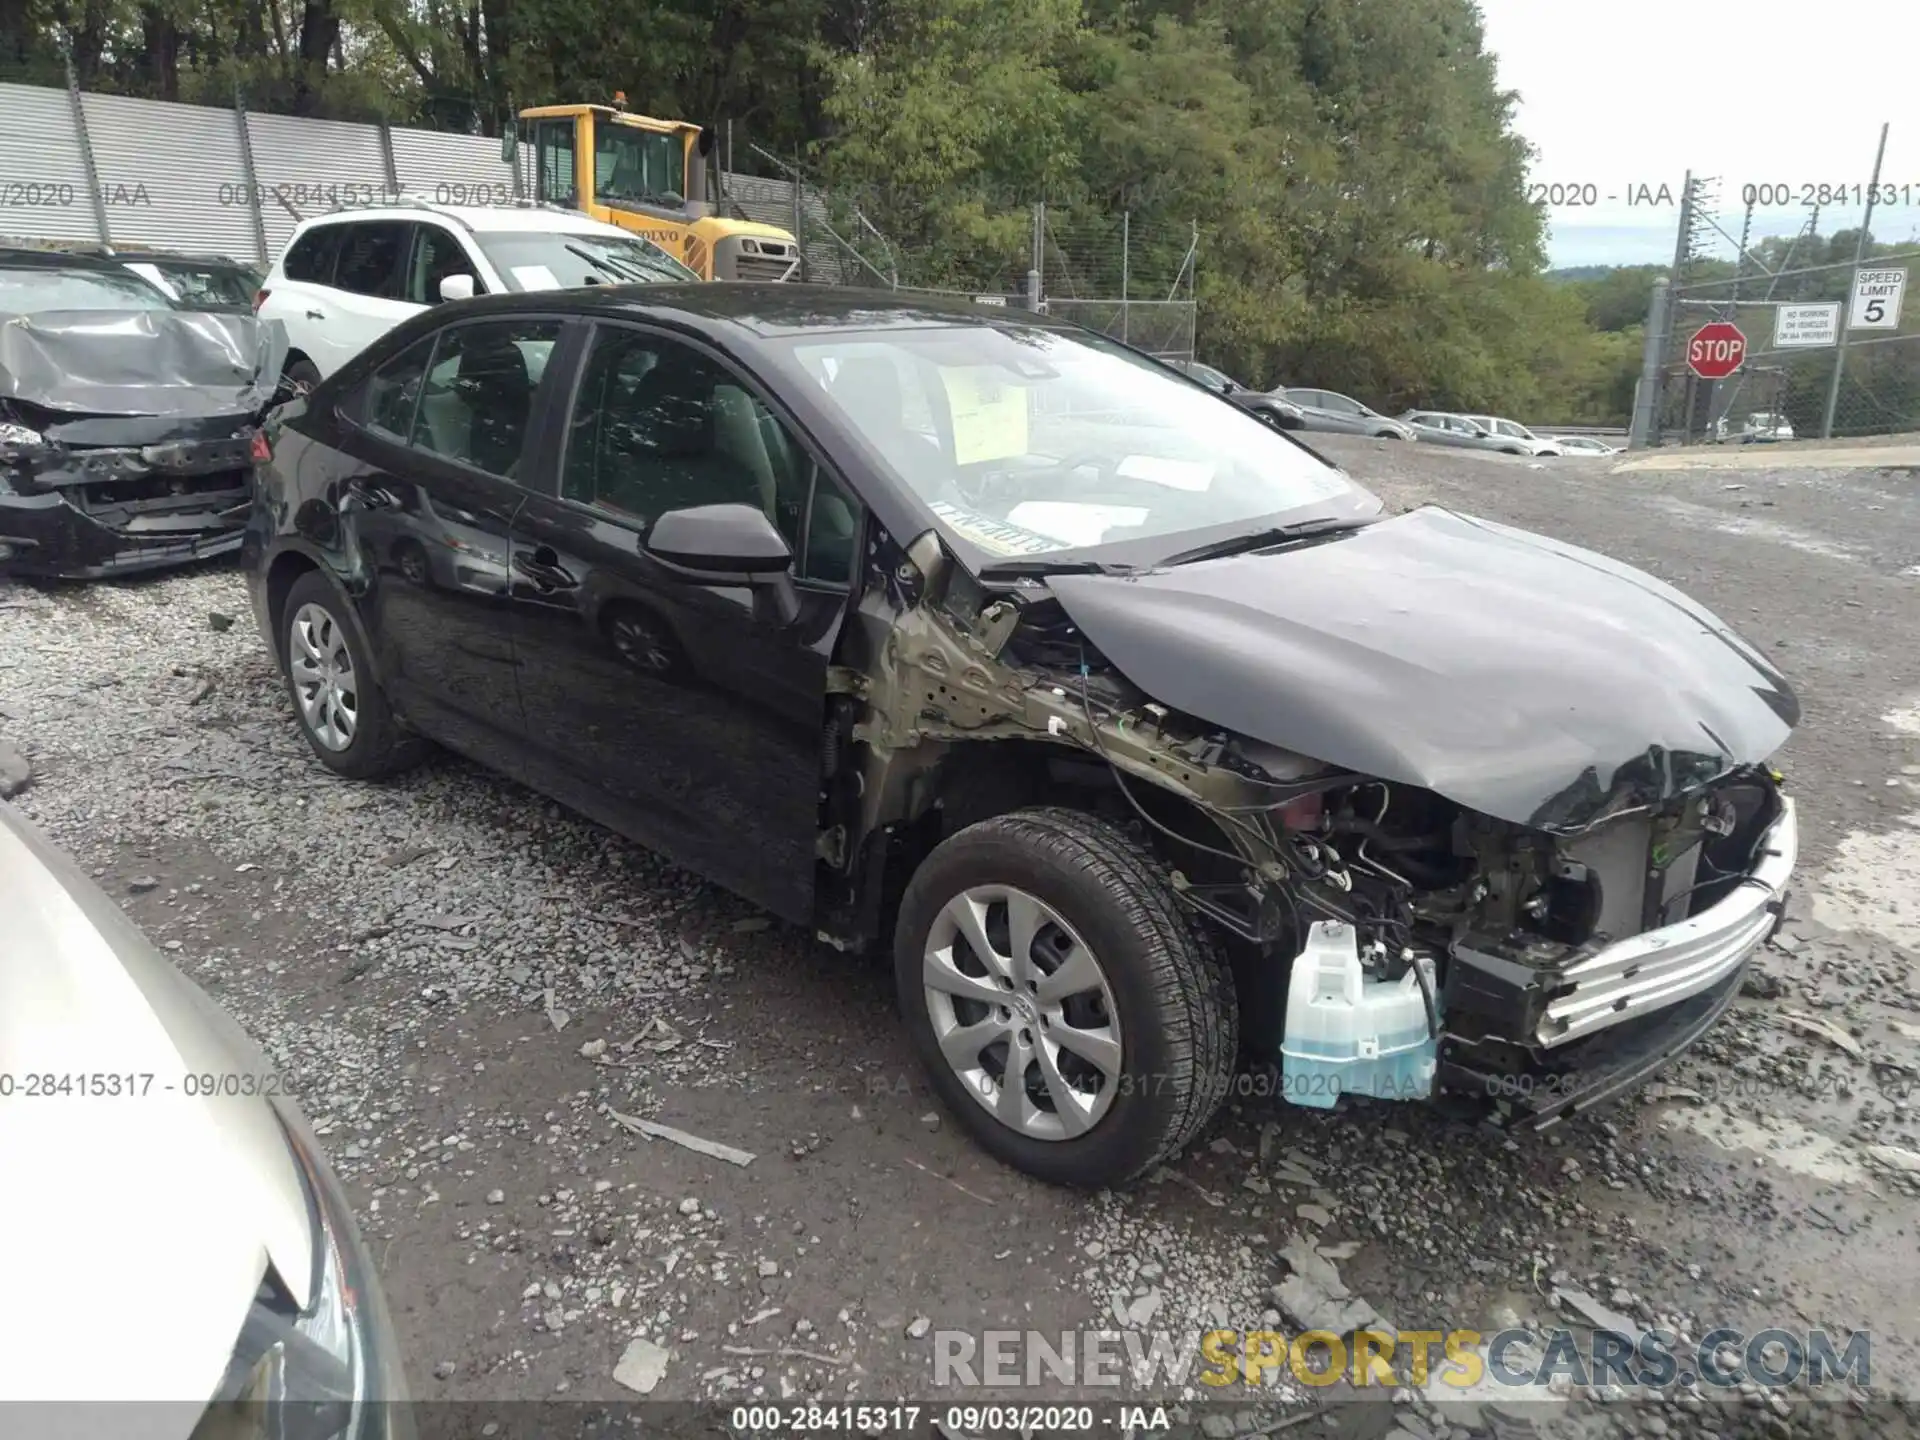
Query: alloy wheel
[(1022, 1012), (324, 683), (640, 645)]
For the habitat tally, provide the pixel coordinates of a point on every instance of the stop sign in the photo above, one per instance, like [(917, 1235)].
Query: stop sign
[(1716, 350)]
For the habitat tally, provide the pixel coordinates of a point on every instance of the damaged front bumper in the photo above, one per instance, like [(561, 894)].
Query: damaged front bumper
[(89, 513), (1662, 967), (1611, 1015), (126, 437)]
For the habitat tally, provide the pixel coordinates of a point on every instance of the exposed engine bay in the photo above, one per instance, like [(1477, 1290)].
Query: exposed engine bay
[(1481, 924)]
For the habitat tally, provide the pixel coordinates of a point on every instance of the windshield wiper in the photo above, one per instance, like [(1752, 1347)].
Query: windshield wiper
[(619, 269), (1270, 535), (1039, 566)]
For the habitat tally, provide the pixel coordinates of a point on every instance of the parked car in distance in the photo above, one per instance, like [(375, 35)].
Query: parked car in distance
[(1584, 445), (1134, 731), (150, 1149), (1437, 427), (1339, 414), (127, 420), (1764, 427), (1514, 430), (1281, 413), (1207, 375), (348, 277)]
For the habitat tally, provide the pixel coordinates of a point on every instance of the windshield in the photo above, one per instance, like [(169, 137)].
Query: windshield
[(640, 167), (30, 291), (1027, 442), (208, 284), (543, 260)]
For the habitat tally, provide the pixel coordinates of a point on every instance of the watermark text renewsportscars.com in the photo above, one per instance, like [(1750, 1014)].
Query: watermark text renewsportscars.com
[(1724, 1358)]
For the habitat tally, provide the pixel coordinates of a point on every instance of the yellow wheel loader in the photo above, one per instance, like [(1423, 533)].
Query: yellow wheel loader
[(651, 177)]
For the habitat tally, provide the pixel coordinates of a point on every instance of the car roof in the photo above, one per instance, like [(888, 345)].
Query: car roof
[(180, 257), (29, 258), (482, 219), (769, 309)]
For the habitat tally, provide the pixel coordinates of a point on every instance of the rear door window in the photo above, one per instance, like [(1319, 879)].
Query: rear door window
[(393, 394), (477, 403), (373, 258), (311, 258)]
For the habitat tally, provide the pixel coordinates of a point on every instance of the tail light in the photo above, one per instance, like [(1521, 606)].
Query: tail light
[(259, 299), (262, 448)]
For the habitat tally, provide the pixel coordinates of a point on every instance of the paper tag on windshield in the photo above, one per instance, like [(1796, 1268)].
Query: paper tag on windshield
[(535, 277), (1072, 523), (1174, 474), (997, 537), (989, 415)]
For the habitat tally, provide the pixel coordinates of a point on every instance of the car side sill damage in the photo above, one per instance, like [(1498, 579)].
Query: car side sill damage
[(1406, 943)]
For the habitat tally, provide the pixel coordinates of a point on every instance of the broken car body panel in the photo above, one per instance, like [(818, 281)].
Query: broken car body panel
[(1522, 678), (125, 437)]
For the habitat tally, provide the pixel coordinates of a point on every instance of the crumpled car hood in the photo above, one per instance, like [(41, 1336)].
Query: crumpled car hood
[(184, 363), (151, 1214), (1524, 678)]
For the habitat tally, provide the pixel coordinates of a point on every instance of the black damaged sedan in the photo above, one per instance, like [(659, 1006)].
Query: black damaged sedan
[(1139, 737), (127, 420)]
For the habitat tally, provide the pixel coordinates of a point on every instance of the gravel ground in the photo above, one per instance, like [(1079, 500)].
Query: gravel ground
[(469, 989)]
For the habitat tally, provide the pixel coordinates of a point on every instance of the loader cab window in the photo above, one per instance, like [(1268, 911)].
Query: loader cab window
[(553, 159), (638, 167)]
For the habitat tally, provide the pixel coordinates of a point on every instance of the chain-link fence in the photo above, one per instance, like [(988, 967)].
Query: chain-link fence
[(1119, 274), (1795, 321)]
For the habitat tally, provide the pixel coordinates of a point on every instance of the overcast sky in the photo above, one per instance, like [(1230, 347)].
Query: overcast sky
[(1621, 95)]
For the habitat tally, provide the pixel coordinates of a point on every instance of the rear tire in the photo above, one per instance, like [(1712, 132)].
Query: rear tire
[(1146, 980), (341, 708)]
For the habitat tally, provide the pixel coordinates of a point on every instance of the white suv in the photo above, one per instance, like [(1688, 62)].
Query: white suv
[(348, 277), (1514, 430)]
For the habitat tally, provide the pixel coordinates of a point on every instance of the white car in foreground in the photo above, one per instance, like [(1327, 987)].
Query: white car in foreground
[(154, 1165), (348, 277)]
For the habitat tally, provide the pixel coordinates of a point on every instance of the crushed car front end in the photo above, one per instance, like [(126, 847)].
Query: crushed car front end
[(1520, 792), (127, 441)]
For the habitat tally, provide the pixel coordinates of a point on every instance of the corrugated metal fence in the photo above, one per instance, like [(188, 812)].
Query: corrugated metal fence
[(106, 168)]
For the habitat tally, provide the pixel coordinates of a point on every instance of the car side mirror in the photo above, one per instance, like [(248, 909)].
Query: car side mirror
[(729, 545), (456, 287)]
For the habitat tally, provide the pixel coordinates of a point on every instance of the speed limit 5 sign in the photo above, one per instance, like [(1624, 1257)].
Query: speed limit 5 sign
[(1876, 300)]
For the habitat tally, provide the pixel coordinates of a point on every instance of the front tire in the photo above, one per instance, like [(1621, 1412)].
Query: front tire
[(1048, 945), (341, 708)]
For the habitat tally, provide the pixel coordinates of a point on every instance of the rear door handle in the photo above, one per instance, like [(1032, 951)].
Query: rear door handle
[(542, 566), (316, 315), (370, 495)]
